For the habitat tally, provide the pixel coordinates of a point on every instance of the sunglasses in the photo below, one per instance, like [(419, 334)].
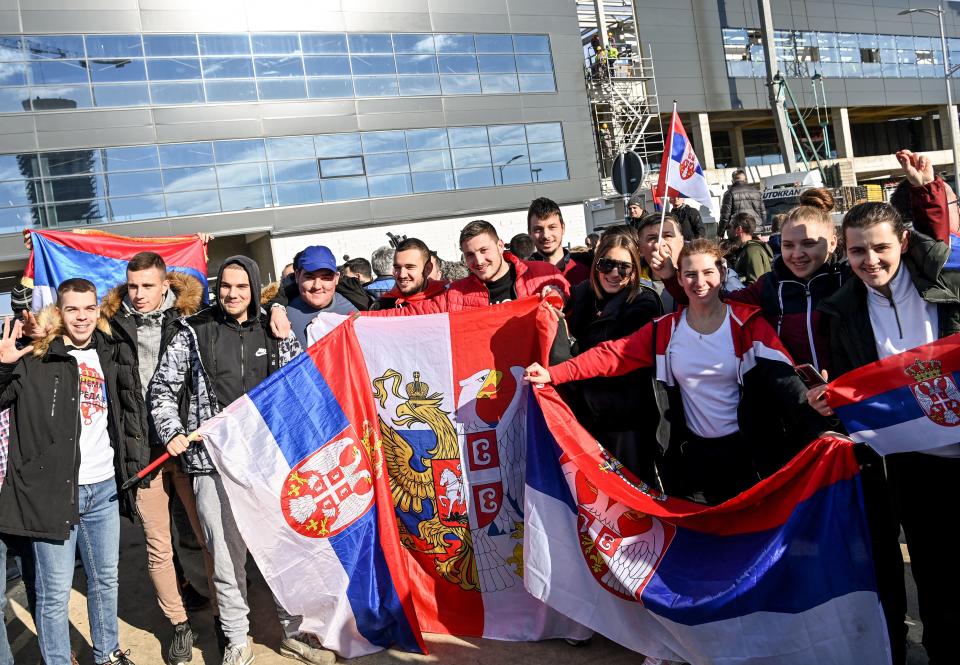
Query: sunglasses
[(606, 265)]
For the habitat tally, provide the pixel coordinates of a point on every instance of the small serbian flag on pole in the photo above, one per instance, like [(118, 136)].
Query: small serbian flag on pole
[(680, 172), (102, 258), (302, 462), (907, 402)]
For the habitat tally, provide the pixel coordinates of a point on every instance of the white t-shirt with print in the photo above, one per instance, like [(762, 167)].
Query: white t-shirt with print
[(96, 453)]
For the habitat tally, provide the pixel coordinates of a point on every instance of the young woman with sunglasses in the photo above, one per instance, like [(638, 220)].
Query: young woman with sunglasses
[(613, 303), (906, 293), (724, 384)]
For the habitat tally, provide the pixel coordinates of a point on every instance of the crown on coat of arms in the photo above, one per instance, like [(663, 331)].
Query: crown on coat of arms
[(923, 370), (416, 389)]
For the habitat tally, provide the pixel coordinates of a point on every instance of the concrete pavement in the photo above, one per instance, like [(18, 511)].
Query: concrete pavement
[(144, 631)]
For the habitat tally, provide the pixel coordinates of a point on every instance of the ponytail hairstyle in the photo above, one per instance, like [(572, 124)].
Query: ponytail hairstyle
[(865, 215), (815, 207)]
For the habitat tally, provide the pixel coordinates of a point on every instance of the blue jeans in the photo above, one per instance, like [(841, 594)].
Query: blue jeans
[(14, 546), (98, 536), (6, 656)]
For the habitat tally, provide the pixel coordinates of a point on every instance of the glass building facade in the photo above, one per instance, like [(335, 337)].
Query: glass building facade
[(803, 53), (57, 72), (129, 183)]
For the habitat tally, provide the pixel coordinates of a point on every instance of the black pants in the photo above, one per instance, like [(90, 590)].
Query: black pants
[(887, 558), (924, 492), (709, 470)]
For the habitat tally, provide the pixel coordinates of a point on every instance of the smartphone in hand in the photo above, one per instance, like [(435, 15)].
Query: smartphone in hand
[(809, 375)]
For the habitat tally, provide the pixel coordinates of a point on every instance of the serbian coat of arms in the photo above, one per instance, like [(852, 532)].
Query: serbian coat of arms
[(935, 392)]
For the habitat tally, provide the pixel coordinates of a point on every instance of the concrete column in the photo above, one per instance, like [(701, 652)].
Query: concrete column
[(930, 141), (737, 148), (702, 141), (840, 119)]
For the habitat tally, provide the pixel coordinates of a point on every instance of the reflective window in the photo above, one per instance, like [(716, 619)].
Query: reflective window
[(114, 46), (159, 45), (279, 44), (126, 183), (320, 43), (186, 154), (372, 43), (413, 44), (455, 44), (325, 66), (49, 72), (831, 54), (344, 189), (227, 68), (137, 94), (173, 69), (282, 89), (231, 91), (278, 66), (225, 44), (54, 47), (117, 70)]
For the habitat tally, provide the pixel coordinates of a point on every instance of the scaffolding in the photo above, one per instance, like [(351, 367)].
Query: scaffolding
[(621, 86)]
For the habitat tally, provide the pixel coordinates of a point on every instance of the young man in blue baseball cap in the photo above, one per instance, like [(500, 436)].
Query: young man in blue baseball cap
[(317, 277)]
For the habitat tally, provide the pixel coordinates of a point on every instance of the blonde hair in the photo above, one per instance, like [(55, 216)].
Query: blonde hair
[(703, 246), (815, 206)]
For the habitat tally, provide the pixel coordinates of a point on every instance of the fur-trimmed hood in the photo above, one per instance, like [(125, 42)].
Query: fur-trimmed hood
[(50, 316), (187, 289)]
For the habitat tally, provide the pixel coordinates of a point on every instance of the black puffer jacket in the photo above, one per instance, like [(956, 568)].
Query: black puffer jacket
[(740, 197), (620, 411), (40, 497), (847, 316)]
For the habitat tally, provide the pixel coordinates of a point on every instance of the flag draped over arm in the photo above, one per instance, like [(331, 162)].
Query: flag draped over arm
[(780, 574), (102, 258), (906, 402)]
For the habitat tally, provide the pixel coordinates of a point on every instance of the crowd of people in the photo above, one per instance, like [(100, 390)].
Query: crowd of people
[(676, 352)]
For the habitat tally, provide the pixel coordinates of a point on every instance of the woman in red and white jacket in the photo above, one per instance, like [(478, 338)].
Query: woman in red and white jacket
[(724, 384)]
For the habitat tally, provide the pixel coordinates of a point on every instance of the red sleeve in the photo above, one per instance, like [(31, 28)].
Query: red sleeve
[(928, 203), (749, 295), (673, 287), (613, 358)]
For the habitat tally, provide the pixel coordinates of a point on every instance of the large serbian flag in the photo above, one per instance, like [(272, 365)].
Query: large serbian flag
[(303, 465), (102, 258), (680, 171), (453, 409), (779, 574), (906, 402)]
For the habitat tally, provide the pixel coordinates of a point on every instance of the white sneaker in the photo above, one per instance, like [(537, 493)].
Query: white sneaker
[(238, 654), (306, 648)]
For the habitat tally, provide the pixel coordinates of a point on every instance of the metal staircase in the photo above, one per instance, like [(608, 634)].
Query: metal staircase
[(621, 86)]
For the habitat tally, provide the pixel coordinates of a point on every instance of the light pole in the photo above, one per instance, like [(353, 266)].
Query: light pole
[(500, 166), (951, 121)]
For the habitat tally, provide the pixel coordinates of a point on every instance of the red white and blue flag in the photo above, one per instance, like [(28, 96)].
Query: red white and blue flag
[(779, 574), (453, 410), (102, 258), (906, 402), (680, 171), (302, 463)]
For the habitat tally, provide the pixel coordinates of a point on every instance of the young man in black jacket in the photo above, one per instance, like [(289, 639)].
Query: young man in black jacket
[(76, 414), (142, 312)]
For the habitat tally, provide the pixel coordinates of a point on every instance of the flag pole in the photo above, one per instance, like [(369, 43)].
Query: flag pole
[(147, 470), (666, 184)]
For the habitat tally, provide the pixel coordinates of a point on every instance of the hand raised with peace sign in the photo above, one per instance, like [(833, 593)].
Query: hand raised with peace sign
[(9, 353)]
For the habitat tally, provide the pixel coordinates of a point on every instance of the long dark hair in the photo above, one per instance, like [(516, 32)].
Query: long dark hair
[(626, 240)]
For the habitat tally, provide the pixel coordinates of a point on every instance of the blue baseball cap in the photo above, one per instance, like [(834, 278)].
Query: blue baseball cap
[(316, 257)]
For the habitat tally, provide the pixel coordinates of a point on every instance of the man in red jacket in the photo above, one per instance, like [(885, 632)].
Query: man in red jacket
[(546, 226), (495, 276), (412, 265)]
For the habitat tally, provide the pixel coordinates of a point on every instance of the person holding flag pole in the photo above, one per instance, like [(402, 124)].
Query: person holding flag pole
[(680, 171)]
